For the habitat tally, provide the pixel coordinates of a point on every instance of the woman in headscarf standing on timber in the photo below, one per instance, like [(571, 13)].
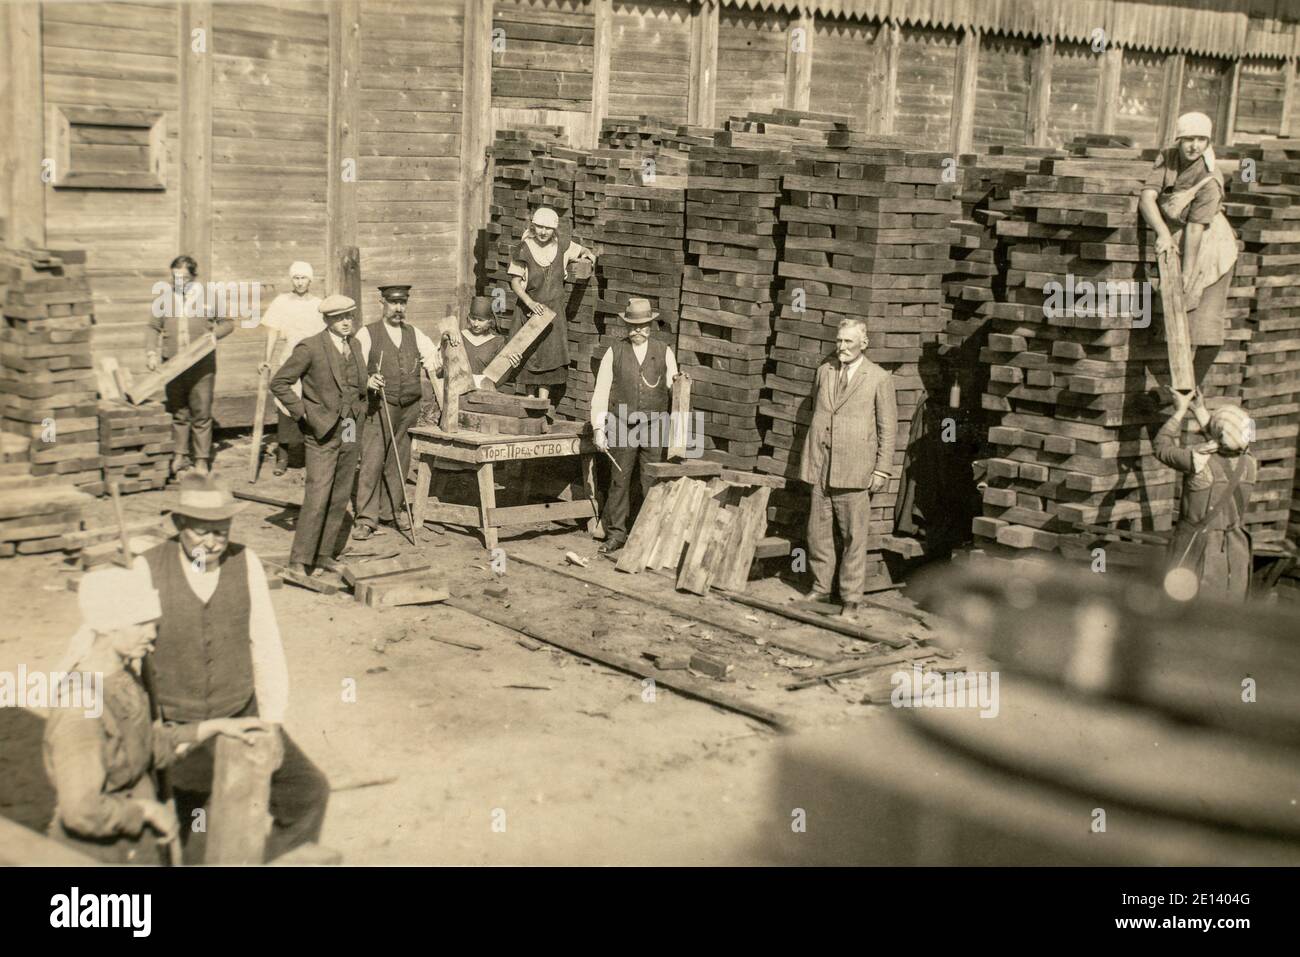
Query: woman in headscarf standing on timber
[(1211, 553), (537, 272), (1182, 200)]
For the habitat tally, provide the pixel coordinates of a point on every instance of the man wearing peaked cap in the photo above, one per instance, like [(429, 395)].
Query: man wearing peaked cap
[(331, 413), (395, 353)]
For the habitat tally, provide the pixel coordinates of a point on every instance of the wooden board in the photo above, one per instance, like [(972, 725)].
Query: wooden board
[(1177, 332), (528, 333), (147, 385)]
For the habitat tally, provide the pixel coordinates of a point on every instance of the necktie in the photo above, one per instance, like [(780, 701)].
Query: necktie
[(183, 322), (843, 382)]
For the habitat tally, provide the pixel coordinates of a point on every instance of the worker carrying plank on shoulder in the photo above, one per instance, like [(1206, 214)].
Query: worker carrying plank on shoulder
[(848, 456), (1211, 553), (218, 655), (178, 320), (291, 318), (100, 753), (634, 380), (537, 271), (395, 353), (1182, 200)]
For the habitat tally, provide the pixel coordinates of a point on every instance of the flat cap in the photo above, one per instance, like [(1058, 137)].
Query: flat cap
[(336, 305)]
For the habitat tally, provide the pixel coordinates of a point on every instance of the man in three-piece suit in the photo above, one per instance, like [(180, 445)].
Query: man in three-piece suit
[(331, 410), (847, 457)]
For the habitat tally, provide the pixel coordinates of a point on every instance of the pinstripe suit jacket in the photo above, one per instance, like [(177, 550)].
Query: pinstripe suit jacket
[(856, 429)]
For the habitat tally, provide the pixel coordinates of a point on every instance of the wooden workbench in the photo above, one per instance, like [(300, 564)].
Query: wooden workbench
[(429, 445)]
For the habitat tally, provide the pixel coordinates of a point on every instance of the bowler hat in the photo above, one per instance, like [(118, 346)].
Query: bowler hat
[(207, 498)]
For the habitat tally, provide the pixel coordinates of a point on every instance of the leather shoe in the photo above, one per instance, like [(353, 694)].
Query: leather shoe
[(298, 568), (612, 545), (849, 608), (403, 523), (330, 565), (362, 532), (812, 594)]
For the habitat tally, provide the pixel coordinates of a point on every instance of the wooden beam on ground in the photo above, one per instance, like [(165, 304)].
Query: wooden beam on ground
[(262, 499), (681, 682), (1171, 102), (808, 618), (239, 817), (344, 124), (22, 113), (703, 92), (1232, 86), (798, 60), (602, 50), (885, 88), (965, 89), (1112, 65), (195, 58), (475, 137), (1040, 93)]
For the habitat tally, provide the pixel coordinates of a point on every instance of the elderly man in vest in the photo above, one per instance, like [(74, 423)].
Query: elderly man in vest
[(218, 655), (395, 353), (331, 410), (847, 457), (634, 379)]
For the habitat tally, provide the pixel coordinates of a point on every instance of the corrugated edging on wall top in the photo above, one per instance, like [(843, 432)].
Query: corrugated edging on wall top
[(1223, 28)]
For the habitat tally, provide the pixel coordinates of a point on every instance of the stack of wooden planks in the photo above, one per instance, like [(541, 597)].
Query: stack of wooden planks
[(1260, 204), (497, 413), (867, 236), (728, 292), (703, 520), (35, 515), (1072, 376), (136, 444), (47, 378)]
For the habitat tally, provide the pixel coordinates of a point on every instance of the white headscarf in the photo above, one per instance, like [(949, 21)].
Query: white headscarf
[(111, 598)]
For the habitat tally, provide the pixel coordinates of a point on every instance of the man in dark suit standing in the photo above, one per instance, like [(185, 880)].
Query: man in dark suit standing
[(332, 410), (848, 456)]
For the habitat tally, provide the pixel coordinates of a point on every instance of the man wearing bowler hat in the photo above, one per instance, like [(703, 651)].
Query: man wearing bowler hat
[(395, 352), (634, 380), (331, 410), (218, 655)]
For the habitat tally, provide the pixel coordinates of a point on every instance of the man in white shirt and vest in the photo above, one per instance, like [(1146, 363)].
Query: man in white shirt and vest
[(395, 353), (218, 655), (634, 378), (848, 455)]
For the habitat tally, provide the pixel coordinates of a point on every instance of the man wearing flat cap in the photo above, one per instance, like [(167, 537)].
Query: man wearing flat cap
[(634, 381), (291, 318), (218, 654), (331, 413), (395, 353)]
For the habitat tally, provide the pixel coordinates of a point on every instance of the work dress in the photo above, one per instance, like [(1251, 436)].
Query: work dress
[(1211, 537), (547, 360), (1194, 194)]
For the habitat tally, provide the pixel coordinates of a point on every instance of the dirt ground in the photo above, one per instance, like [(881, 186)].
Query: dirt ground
[(503, 755)]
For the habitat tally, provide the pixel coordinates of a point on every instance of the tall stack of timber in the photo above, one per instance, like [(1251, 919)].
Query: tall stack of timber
[(47, 379), (1261, 204), (1072, 384), (136, 444), (868, 236), (728, 292)]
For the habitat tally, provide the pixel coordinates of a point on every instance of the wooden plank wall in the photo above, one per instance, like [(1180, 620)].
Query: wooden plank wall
[(409, 201), (751, 61), (1076, 72), (1259, 96), (118, 55), (270, 90), (649, 68), (1002, 93), (844, 59), (1141, 97), (923, 102)]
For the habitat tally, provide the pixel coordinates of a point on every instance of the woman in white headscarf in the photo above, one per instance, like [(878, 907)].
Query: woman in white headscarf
[(1211, 552), (1182, 200), (99, 753), (291, 318)]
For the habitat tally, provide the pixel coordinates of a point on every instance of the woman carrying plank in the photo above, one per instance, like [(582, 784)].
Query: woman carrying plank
[(537, 273), (1211, 553), (1182, 200)]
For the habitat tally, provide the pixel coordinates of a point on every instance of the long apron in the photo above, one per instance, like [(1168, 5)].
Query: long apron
[(547, 361), (1207, 299)]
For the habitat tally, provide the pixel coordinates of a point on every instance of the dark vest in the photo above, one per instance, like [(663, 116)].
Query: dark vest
[(400, 367), (641, 387), (203, 657)]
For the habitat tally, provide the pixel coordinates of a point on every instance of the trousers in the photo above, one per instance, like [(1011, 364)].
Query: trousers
[(849, 512), (189, 400), (381, 485), (331, 476)]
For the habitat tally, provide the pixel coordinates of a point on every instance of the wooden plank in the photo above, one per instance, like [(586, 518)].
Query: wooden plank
[(965, 91), (147, 385), (475, 136), (671, 470), (799, 60), (632, 559), (1040, 93), (703, 92), (354, 572), (22, 110), (1170, 107), (384, 594), (343, 146), (808, 618), (519, 343), (239, 809), (885, 90), (603, 47), (711, 524), (1177, 331), (196, 133), (680, 417), (1288, 96), (1108, 85), (751, 522), (1228, 103)]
